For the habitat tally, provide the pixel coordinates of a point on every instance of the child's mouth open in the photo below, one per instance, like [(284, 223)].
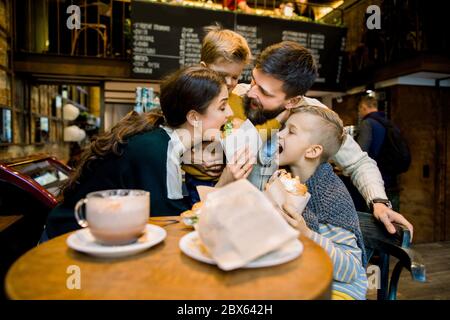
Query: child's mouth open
[(280, 148)]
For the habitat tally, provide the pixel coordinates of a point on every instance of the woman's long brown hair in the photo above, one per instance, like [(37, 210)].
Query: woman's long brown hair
[(112, 142), (191, 88)]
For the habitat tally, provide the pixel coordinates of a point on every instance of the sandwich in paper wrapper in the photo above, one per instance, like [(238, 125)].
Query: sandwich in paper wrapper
[(191, 217), (239, 224), (283, 189), (236, 135)]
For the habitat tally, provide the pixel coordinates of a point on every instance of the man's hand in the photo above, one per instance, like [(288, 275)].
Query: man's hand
[(388, 216)]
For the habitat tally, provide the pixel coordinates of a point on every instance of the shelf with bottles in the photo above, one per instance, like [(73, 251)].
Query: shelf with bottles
[(45, 114), (146, 100), (6, 133)]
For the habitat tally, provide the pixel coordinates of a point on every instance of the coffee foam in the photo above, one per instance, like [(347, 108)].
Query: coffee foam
[(116, 219)]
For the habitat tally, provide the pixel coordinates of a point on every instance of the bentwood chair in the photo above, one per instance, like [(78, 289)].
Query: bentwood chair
[(104, 10), (380, 246)]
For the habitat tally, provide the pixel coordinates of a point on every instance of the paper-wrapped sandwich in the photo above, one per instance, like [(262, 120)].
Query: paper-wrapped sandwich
[(227, 129), (237, 134), (239, 224), (291, 184), (283, 189)]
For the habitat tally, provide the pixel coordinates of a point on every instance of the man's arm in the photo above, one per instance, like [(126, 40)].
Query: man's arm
[(366, 177), (362, 170)]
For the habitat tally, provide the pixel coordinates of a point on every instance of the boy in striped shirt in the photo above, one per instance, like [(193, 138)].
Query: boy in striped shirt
[(312, 136)]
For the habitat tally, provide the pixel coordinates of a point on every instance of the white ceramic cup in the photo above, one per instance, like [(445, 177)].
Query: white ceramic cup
[(114, 217)]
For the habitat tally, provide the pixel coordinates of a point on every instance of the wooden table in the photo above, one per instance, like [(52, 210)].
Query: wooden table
[(164, 272)]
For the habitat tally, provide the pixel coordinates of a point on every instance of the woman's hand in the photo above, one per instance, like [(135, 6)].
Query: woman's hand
[(239, 167), (296, 220)]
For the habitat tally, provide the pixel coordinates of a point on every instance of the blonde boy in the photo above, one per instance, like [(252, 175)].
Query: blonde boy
[(311, 137)]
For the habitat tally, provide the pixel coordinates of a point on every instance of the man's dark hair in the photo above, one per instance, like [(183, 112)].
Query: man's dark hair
[(291, 63)]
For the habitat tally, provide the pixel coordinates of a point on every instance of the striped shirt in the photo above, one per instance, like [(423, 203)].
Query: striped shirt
[(349, 276)]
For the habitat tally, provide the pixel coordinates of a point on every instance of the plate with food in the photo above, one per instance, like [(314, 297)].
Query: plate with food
[(191, 245), (190, 217)]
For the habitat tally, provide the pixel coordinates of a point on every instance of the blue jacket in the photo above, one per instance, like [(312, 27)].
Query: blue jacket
[(371, 137)]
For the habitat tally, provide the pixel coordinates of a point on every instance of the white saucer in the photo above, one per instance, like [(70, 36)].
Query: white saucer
[(189, 245), (83, 241)]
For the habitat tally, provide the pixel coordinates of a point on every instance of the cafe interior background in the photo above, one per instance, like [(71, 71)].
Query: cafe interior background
[(61, 86)]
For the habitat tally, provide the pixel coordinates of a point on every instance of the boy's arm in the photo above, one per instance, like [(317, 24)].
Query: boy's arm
[(339, 243), (341, 246)]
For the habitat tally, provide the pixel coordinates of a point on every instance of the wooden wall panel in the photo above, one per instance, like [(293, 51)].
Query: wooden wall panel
[(347, 109), (413, 111)]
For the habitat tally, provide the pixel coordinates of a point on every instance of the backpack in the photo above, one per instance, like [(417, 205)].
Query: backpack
[(394, 156)]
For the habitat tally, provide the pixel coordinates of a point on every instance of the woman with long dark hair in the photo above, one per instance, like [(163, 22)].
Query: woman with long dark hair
[(144, 151)]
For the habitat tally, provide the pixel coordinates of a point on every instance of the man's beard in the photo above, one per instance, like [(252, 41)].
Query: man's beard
[(259, 115)]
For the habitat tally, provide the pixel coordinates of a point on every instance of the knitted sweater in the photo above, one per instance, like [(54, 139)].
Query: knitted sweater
[(331, 203)]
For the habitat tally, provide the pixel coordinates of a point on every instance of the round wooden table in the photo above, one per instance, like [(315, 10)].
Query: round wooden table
[(164, 272)]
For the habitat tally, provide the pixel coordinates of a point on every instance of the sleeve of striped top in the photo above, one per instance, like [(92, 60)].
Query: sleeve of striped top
[(343, 250)]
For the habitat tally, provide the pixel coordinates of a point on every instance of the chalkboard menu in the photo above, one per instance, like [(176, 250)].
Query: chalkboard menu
[(326, 43), (167, 37)]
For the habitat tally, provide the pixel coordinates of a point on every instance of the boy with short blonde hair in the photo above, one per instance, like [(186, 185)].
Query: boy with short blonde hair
[(224, 44), (312, 136)]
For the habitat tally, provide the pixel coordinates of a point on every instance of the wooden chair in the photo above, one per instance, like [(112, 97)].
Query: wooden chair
[(104, 10), (381, 245)]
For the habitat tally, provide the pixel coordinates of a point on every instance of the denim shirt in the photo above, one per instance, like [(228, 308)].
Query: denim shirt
[(266, 163)]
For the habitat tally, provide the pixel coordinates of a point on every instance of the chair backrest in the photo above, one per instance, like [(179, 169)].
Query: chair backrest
[(104, 9), (383, 244), (375, 234)]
